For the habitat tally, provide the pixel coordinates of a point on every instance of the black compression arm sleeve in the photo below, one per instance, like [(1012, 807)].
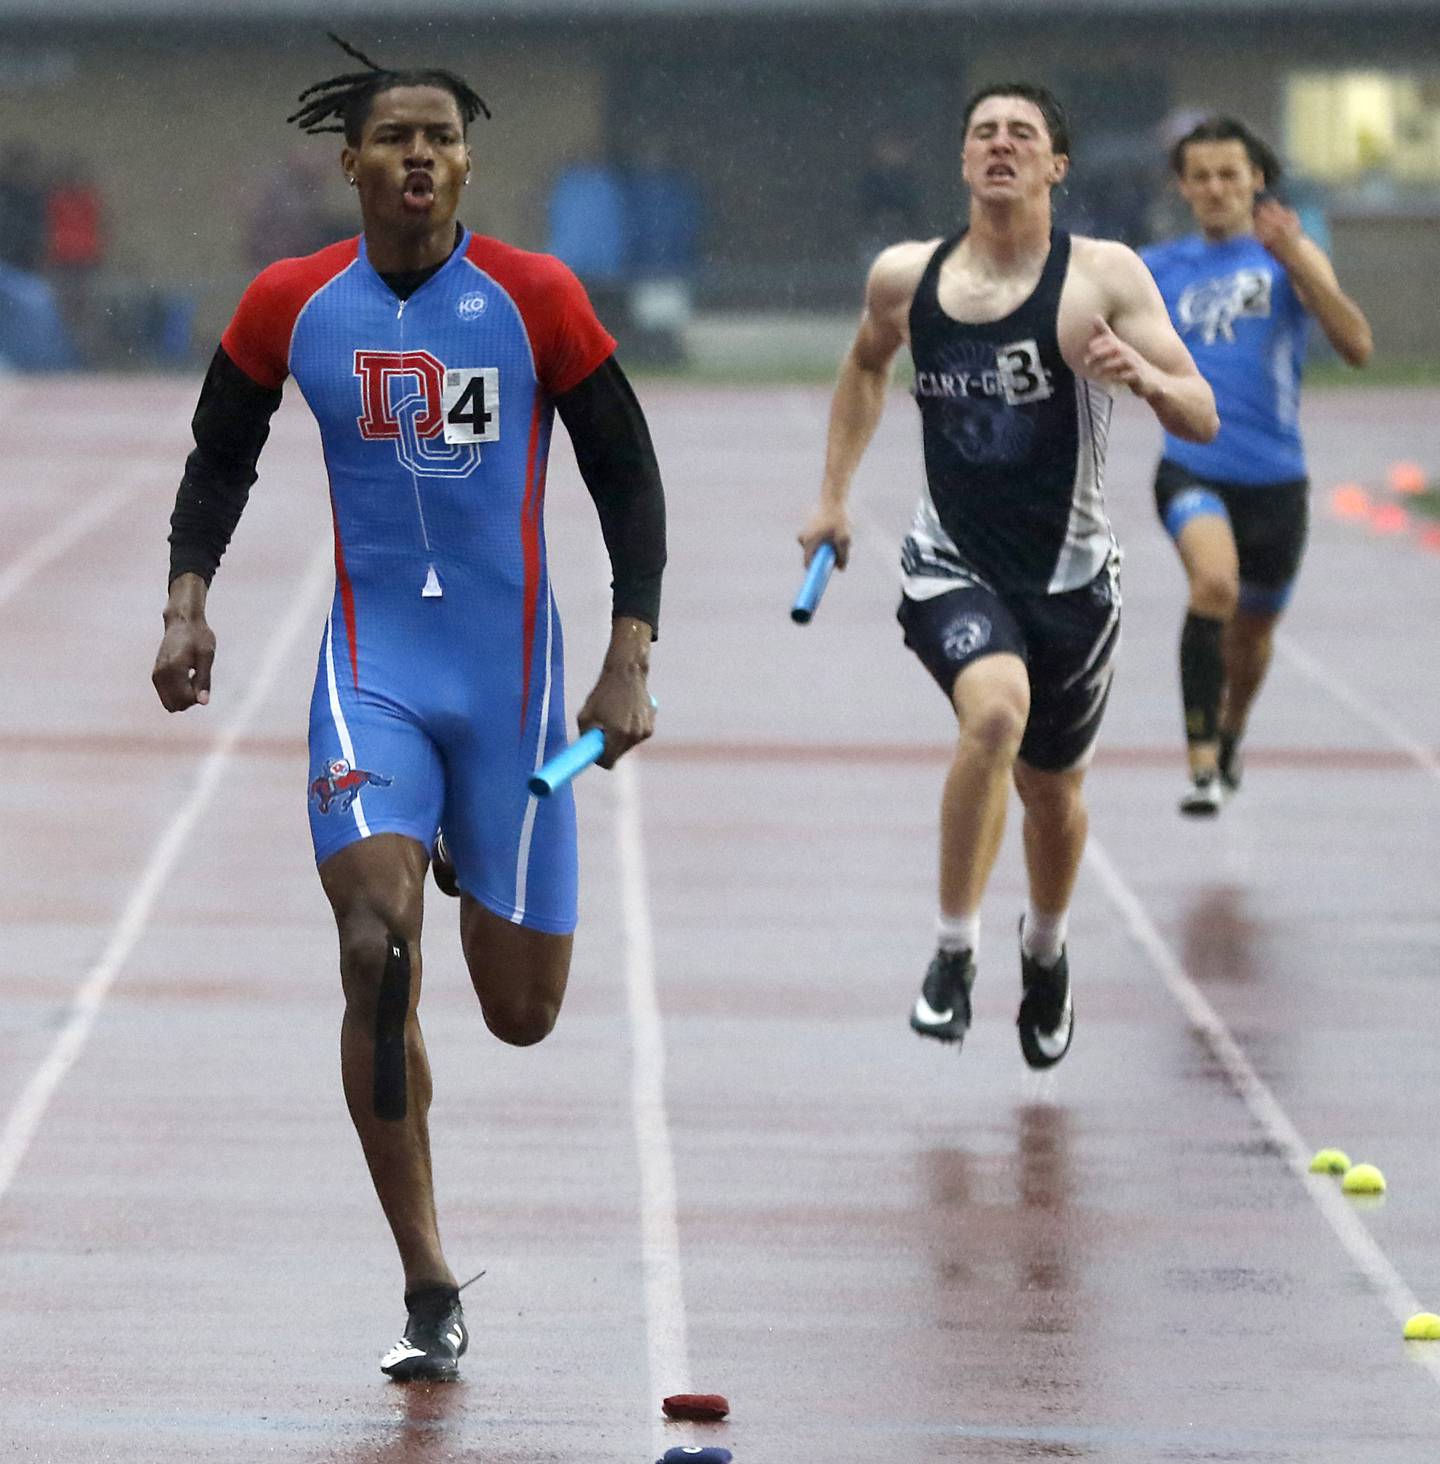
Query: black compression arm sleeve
[(617, 461), (230, 424)]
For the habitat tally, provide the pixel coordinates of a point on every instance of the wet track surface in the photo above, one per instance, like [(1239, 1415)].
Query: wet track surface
[(881, 1251)]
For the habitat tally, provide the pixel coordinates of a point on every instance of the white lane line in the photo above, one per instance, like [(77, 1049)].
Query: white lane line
[(665, 1325), (1329, 682), (1264, 1107), (25, 1117), (53, 545)]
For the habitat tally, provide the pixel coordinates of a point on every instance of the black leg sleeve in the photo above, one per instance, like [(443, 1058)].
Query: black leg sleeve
[(1202, 676)]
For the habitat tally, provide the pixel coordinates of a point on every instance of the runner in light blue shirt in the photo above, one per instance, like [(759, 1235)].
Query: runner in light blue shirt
[(1242, 293)]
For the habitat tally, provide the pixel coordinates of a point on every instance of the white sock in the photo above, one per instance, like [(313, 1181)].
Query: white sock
[(1042, 937), (958, 932)]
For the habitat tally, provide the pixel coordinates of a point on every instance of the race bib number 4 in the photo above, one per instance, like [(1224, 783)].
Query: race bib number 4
[(470, 402)]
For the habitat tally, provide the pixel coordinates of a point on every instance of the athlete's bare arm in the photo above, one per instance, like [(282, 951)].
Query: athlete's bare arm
[(1132, 343), (1313, 276), (859, 397)]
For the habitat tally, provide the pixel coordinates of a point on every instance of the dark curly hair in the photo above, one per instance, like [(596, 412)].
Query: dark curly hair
[(342, 103)]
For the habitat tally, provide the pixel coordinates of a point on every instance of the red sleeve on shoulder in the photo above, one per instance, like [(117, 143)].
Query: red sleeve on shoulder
[(257, 339), (566, 336)]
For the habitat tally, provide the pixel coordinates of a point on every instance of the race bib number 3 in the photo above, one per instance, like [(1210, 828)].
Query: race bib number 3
[(470, 400), (1022, 377)]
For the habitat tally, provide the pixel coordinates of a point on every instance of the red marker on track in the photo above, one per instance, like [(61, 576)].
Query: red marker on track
[(696, 1407)]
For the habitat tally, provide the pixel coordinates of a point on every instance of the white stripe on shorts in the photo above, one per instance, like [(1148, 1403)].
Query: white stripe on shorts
[(347, 748), (527, 829)]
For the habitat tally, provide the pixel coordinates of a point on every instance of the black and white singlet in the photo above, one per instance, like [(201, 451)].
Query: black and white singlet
[(1014, 447)]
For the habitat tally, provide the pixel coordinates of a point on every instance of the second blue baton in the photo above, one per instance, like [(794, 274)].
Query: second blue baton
[(816, 578), (585, 750)]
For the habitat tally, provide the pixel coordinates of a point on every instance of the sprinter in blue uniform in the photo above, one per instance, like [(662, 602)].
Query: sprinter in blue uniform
[(1242, 293), (434, 361)]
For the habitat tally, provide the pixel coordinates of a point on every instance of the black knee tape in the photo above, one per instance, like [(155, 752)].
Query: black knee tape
[(1202, 676), (391, 1011)]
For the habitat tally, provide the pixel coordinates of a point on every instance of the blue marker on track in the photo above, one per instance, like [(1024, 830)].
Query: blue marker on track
[(816, 578), (565, 765)]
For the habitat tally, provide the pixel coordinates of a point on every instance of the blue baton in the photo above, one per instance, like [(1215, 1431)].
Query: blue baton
[(586, 749), (565, 765), (816, 578)]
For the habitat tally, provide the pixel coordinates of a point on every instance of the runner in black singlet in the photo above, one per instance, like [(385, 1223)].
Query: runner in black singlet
[(1011, 592)]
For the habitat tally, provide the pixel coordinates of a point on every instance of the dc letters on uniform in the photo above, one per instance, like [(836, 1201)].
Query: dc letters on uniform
[(437, 416)]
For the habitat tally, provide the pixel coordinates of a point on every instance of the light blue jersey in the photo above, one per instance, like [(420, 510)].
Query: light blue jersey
[(1237, 312)]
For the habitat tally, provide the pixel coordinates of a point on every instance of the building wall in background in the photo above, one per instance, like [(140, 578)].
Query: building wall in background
[(182, 132), (775, 117)]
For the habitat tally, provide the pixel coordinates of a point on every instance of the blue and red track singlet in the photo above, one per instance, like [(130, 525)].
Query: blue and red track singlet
[(439, 687)]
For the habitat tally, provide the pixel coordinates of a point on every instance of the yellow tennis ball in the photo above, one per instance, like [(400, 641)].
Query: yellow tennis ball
[(1330, 1161), (1363, 1179), (1423, 1327)]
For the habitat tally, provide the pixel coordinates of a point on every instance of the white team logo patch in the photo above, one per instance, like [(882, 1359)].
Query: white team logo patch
[(471, 307), (966, 636), (1213, 306)]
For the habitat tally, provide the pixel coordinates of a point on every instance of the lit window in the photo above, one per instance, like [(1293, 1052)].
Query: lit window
[(1343, 126)]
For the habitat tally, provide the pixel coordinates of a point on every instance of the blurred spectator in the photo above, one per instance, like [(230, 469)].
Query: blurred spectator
[(664, 216), (587, 217), (75, 249), (291, 215), (32, 333), (22, 209), (588, 229), (663, 227), (888, 196), (74, 220)]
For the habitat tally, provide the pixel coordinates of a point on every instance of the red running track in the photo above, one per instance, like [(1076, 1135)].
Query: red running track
[(733, 1167)]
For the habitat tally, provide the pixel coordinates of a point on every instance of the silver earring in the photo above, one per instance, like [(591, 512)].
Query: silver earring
[(350, 178), (467, 180)]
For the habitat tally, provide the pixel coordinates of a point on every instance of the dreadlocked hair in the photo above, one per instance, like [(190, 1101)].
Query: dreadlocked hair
[(342, 103)]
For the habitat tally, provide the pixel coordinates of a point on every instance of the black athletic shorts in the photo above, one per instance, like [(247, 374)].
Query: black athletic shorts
[(1270, 522), (1067, 642)]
